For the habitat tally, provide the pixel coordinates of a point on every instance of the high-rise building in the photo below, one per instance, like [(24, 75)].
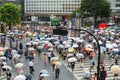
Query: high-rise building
[(48, 7)]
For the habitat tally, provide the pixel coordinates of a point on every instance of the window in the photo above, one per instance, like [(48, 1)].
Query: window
[(117, 5), (117, 0)]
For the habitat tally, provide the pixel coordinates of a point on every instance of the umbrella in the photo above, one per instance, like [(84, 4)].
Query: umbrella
[(103, 48), (108, 42), (5, 48), (28, 43), (7, 67), (40, 47), (1, 53), (115, 49), (54, 58), (109, 46), (79, 55), (70, 50), (36, 40), (45, 75), (2, 58), (20, 77), (73, 59), (35, 43), (56, 42), (67, 45), (16, 56), (60, 46), (114, 45), (52, 40), (70, 55), (75, 46), (100, 42), (58, 63), (20, 34), (102, 25), (50, 45), (31, 49), (28, 77), (64, 42), (81, 40), (20, 52), (18, 65), (89, 46), (1, 49), (44, 71), (50, 49), (30, 57)]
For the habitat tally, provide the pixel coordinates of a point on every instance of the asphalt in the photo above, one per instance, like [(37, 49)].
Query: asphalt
[(65, 73)]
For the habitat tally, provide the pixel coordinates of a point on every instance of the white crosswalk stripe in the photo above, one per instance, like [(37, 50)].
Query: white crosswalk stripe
[(78, 72)]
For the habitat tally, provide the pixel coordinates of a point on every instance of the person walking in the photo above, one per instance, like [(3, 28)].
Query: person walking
[(53, 65), (41, 78), (49, 56), (45, 59), (103, 73), (72, 66), (57, 71), (8, 74), (95, 76), (92, 64), (20, 45), (31, 66)]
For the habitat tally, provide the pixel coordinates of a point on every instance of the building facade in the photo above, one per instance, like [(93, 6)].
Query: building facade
[(48, 7)]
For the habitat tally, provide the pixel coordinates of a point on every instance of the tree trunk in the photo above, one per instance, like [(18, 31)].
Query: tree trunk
[(2, 28), (95, 20), (9, 26)]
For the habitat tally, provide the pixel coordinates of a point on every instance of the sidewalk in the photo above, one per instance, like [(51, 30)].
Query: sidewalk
[(6, 45)]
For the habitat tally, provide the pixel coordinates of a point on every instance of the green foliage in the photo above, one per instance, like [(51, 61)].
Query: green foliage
[(73, 14), (96, 7), (10, 14)]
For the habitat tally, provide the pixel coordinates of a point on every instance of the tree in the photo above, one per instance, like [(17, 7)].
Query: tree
[(73, 14), (96, 8), (10, 14)]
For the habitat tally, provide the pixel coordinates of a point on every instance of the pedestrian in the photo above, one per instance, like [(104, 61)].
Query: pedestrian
[(57, 71), (115, 77), (45, 59), (39, 53), (8, 74), (42, 78), (49, 56), (10, 40), (16, 44), (116, 61), (20, 45), (53, 65), (92, 64), (103, 73), (95, 76), (91, 54), (31, 66), (72, 66)]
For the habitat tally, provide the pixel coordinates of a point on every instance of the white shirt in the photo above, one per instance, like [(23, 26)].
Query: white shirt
[(30, 63), (49, 54)]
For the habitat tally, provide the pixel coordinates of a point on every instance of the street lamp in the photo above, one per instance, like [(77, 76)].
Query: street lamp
[(99, 50)]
